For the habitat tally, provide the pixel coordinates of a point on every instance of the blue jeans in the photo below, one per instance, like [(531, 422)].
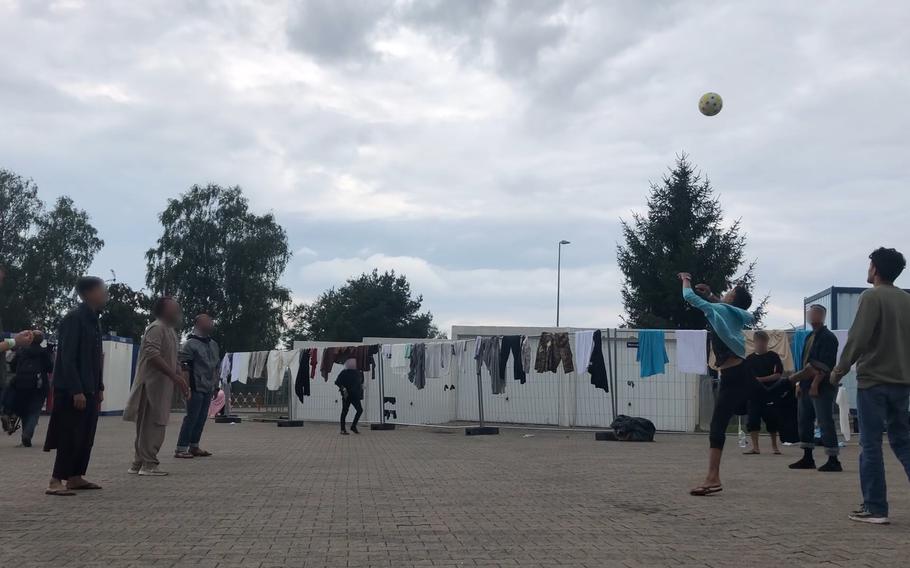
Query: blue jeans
[(33, 411), (197, 412), (820, 408), (878, 408)]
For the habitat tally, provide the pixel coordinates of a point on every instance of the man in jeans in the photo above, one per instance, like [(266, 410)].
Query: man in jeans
[(199, 357), (878, 344), (817, 394)]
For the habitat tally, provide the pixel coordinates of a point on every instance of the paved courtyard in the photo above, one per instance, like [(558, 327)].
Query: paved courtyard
[(298, 497)]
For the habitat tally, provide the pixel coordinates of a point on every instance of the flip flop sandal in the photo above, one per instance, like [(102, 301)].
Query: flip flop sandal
[(85, 487), (60, 492), (778, 453), (705, 491), (752, 453)]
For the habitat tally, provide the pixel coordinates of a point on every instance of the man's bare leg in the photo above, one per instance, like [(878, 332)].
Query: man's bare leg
[(774, 447), (754, 436)]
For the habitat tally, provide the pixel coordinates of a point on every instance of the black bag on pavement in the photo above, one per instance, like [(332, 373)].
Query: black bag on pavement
[(633, 429)]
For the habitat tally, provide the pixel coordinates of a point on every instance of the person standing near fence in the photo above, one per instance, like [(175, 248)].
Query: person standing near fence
[(199, 358), (157, 373), (350, 383), (31, 365), (878, 344), (767, 368), (78, 390), (727, 318)]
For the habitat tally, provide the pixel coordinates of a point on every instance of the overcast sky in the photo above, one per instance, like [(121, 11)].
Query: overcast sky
[(457, 141)]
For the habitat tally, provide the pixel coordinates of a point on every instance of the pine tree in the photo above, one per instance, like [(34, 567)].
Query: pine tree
[(683, 231)]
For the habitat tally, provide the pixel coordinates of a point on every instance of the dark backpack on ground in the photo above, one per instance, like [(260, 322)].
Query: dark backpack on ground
[(633, 429)]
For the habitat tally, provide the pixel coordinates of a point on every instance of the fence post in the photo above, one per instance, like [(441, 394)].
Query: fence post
[(482, 429), (382, 424)]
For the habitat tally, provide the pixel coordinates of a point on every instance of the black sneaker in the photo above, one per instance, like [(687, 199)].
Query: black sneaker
[(803, 464), (344, 433), (832, 465), (26, 443), (355, 430), (869, 518)]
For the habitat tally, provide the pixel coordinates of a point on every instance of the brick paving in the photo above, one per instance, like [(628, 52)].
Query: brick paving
[(306, 497)]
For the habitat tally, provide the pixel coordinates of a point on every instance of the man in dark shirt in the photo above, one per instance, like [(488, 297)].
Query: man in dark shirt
[(817, 394), (350, 383), (767, 368), (78, 390)]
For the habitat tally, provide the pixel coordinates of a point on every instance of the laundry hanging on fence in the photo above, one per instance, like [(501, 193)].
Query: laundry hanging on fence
[(225, 373), (799, 342), (692, 351), (399, 359), (778, 341), (240, 364), (552, 350), (511, 344), (258, 364), (363, 354), (314, 362), (841, 335), (526, 354), (417, 372), (486, 354), (456, 367), (584, 345), (278, 363), (598, 367), (303, 376), (436, 356), (652, 352)]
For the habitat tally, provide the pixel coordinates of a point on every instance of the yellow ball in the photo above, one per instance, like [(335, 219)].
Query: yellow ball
[(710, 104)]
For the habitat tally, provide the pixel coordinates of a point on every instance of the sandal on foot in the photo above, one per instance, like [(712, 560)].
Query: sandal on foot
[(704, 491), (778, 453), (62, 492), (752, 453)]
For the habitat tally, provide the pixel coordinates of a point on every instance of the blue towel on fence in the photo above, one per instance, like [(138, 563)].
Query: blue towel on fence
[(652, 352), (799, 341)]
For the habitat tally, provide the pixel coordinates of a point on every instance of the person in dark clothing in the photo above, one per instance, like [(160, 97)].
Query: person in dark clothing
[(78, 390), (30, 365), (767, 368), (350, 383), (200, 358), (817, 393), (8, 419)]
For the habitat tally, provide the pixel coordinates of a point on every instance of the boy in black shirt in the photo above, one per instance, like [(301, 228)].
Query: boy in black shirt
[(767, 368)]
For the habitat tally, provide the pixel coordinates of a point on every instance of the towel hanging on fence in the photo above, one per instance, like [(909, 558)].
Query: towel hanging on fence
[(399, 359), (584, 346), (799, 342), (597, 366), (278, 363), (652, 352), (435, 362), (226, 368), (692, 351), (240, 365)]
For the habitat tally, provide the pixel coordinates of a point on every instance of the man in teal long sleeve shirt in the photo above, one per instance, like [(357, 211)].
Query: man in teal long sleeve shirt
[(727, 318)]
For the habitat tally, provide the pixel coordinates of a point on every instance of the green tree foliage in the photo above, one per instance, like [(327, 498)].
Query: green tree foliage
[(217, 257), (44, 252), (127, 313), (371, 305), (682, 231)]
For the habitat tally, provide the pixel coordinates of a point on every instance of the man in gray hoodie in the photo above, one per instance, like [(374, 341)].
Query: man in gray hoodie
[(200, 358)]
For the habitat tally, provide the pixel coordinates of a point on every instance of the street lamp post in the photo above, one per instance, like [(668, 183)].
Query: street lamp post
[(559, 275)]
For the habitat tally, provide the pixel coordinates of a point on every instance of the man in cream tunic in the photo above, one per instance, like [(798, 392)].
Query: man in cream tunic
[(157, 373)]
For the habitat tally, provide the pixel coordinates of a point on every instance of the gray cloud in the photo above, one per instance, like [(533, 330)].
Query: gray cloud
[(460, 140)]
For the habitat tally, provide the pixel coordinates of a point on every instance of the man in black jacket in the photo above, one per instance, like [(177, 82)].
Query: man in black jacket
[(350, 383), (817, 394), (78, 390)]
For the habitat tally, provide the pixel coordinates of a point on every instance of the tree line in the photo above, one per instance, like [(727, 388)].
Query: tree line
[(218, 257)]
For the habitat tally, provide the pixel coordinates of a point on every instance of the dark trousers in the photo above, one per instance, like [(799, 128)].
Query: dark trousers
[(737, 386), (31, 411), (821, 409), (598, 367), (761, 408), (72, 433), (347, 403), (511, 344), (197, 412)]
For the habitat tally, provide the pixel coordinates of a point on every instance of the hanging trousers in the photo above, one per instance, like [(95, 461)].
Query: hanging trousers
[(598, 367), (511, 344)]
